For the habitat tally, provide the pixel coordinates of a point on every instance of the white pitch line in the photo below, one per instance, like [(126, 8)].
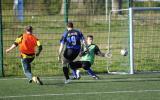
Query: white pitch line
[(87, 93), (5, 79), (90, 80)]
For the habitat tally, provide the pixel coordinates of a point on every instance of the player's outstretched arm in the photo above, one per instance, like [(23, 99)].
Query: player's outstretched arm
[(108, 54), (10, 48), (99, 53)]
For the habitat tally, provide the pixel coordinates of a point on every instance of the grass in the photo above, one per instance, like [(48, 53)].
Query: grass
[(112, 87)]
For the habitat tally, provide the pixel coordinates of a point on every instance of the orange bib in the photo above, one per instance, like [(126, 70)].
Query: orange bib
[(28, 44)]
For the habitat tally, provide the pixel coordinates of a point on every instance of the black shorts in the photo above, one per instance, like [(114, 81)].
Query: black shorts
[(70, 55), (80, 64)]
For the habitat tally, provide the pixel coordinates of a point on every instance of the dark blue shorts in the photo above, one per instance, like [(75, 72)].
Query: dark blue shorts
[(70, 55)]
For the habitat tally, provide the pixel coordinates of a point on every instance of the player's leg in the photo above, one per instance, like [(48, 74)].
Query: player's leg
[(65, 69), (26, 64), (87, 66), (74, 75), (69, 56), (26, 68), (65, 62), (74, 66), (78, 74), (90, 72)]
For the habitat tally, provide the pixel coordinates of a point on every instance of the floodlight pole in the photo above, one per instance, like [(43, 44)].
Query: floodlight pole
[(131, 41)]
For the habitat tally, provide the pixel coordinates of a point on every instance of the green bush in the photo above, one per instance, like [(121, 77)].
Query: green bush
[(146, 4)]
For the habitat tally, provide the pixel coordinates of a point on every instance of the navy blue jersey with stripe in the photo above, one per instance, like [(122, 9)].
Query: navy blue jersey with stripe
[(72, 39)]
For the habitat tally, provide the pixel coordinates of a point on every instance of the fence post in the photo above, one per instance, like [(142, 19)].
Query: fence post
[(130, 3), (1, 43)]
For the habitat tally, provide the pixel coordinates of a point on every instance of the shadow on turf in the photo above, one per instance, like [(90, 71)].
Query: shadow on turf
[(132, 79), (102, 80), (72, 82), (51, 83)]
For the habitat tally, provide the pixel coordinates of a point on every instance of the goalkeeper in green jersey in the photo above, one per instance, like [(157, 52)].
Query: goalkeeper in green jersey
[(87, 59)]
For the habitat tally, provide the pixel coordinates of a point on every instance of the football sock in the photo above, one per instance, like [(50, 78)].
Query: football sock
[(74, 73), (66, 71), (90, 72), (78, 73)]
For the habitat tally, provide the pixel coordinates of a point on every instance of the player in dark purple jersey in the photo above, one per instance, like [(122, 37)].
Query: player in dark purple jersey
[(72, 39)]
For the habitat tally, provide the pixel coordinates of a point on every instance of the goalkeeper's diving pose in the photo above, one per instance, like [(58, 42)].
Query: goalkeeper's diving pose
[(27, 43), (87, 59)]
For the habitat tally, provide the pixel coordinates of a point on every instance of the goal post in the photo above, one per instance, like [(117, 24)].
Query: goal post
[(131, 41)]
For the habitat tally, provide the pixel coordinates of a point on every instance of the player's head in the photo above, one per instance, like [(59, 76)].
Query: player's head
[(69, 25), (89, 39), (29, 29)]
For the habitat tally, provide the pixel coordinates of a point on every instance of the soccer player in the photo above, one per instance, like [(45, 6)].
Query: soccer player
[(87, 59), (27, 43), (72, 40)]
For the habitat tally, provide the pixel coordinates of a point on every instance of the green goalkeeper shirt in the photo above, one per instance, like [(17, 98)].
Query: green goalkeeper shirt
[(89, 56)]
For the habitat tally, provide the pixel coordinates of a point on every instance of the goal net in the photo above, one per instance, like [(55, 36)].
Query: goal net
[(146, 29), (118, 40), (137, 30)]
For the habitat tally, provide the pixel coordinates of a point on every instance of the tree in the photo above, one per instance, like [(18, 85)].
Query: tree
[(116, 4), (84, 6), (62, 7)]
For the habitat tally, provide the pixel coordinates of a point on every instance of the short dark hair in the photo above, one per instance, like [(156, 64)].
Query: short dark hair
[(70, 24), (29, 28), (91, 36)]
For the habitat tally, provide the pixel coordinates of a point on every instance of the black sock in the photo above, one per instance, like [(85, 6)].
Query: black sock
[(66, 71)]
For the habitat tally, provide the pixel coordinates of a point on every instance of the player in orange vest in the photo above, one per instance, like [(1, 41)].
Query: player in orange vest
[(27, 43)]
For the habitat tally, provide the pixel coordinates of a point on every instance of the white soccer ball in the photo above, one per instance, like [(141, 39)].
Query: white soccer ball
[(124, 52), (32, 17)]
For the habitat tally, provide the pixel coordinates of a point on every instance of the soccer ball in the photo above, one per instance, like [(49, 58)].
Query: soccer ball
[(124, 52)]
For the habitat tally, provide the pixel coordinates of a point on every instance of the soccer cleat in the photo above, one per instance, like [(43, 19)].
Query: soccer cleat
[(39, 81), (30, 81), (96, 77), (73, 78), (78, 78), (67, 81)]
